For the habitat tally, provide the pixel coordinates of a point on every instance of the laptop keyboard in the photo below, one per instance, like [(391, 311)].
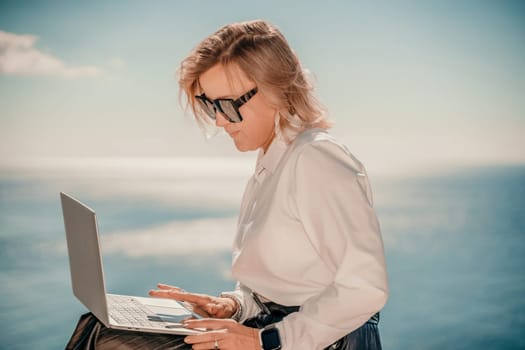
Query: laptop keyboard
[(127, 311)]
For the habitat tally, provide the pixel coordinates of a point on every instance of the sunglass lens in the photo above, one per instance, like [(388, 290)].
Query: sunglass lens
[(229, 111), (208, 107)]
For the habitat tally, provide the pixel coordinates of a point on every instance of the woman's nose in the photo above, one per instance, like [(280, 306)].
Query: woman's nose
[(220, 120)]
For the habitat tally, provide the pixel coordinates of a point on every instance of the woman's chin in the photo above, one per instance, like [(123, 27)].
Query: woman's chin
[(242, 147)]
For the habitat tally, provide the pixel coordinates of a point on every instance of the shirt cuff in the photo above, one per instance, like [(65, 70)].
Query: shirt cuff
[(248, 306), (239, 311)]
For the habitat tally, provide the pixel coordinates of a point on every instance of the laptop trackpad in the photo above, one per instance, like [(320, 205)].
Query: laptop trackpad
[(165, 310), (165, 314), (159, 302)]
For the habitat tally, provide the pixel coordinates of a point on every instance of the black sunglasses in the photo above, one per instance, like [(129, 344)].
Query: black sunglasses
[(227, 106)]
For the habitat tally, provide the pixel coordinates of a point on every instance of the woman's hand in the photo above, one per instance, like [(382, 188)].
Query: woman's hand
[(202, 304), (222, 334)]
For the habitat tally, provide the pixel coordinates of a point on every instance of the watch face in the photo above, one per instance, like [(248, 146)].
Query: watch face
[(270, 339)]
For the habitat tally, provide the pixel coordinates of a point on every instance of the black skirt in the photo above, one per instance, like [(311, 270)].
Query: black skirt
[(91, 334)]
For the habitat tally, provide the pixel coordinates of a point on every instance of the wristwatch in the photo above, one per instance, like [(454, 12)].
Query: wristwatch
[(270, 339)]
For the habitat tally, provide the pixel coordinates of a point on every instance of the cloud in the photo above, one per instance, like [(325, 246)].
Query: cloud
[(18, 56), (188, 238)]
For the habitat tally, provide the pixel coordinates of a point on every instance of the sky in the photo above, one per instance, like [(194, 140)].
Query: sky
[(410, 85)]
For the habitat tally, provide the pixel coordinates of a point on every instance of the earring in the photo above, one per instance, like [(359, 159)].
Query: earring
[(277, 123)]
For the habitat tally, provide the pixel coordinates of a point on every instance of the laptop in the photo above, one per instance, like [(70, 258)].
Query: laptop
[(144, 314)]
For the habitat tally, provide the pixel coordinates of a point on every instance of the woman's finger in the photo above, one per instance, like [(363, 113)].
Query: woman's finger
[(160, 293), (205, 337), (206, 346), (211, 324), (199, 299), (198, 309), (167, 286), (214, 344)]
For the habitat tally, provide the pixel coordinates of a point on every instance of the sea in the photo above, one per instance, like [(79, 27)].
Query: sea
[(454, 243)]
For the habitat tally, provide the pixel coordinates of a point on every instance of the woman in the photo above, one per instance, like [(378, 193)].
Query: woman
[(308, 254)]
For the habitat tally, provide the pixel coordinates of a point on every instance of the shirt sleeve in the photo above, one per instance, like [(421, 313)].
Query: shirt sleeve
[(331, 196)]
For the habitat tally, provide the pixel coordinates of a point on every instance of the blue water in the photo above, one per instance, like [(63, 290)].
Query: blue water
[(455, 246)]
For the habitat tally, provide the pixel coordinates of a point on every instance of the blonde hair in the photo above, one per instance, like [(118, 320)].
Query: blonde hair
[(265, 57)]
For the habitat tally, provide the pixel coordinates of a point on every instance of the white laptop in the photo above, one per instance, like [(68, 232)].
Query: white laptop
[(154, 315)]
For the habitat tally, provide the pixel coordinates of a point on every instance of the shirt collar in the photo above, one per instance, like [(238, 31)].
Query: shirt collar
[(267, 162)]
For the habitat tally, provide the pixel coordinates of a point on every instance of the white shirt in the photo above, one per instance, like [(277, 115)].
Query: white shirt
[(308, 236)]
